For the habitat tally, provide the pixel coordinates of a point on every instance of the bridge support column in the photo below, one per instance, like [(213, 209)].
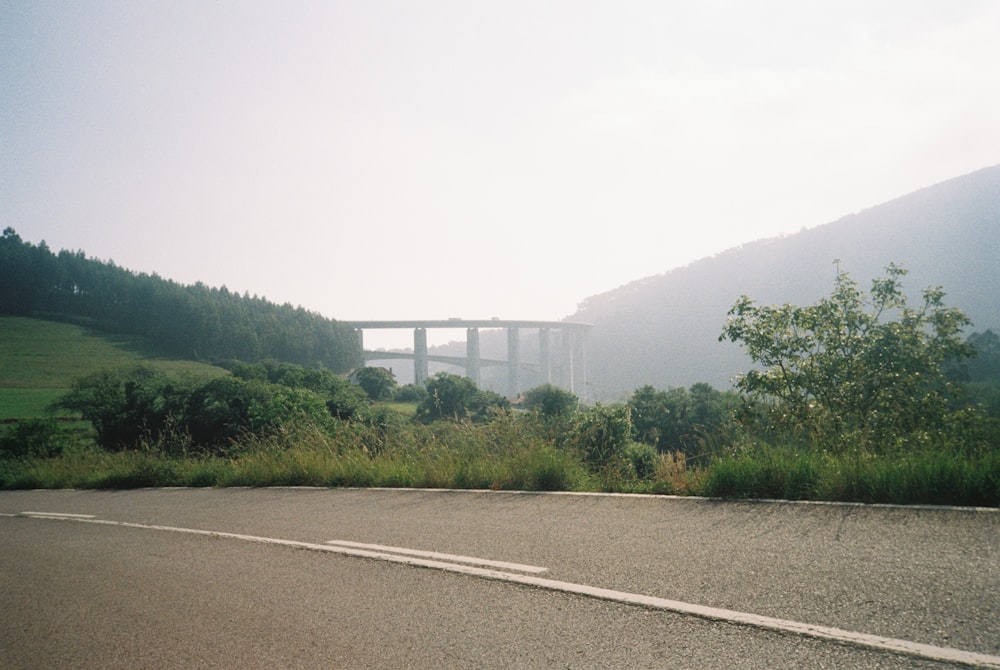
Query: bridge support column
[(472, 354), (360, 334), (513, 362), (419, 355), (567, 378), (544, 356)]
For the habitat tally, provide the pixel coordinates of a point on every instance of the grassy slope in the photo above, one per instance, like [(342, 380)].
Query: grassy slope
[(40, 359)]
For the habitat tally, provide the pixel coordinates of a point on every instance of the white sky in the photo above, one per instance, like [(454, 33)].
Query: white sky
[(384, 160)]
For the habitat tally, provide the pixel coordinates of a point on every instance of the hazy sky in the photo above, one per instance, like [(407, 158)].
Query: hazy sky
[(433, 159)]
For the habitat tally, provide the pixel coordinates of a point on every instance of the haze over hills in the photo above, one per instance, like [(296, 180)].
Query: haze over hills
[(663, 330), (660, 330)]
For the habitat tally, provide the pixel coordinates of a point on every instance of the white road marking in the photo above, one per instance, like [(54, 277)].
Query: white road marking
[(58, 515), (452, 558), (877, 642)]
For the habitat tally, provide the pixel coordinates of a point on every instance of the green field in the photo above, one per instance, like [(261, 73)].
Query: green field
[(40, 359)]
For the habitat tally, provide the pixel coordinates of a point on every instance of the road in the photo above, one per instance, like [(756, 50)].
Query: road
[(225, 578)]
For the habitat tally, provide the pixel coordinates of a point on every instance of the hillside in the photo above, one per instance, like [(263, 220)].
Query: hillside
[(40, 359), (197, 321), (663, 330)]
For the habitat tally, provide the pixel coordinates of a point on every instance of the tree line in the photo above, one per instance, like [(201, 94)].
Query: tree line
[(188, 320)]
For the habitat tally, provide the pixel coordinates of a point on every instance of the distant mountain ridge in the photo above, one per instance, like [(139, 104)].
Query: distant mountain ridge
[(663, 330)]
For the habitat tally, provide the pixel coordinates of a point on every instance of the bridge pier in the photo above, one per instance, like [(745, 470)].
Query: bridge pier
[(513, 362), (419, 356), (568, 376), (472, 354), (544, 356)]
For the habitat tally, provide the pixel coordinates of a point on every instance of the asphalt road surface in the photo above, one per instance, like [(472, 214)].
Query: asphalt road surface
[(248, 578)]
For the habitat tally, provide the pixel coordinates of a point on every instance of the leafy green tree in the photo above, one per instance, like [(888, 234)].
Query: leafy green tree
[(551, 401), (854, 363), (343, 399), (378, 383), (677, 419), (28, 274), (654, 413), (226, 409), (124, 405), (453, 397), (248, 371)]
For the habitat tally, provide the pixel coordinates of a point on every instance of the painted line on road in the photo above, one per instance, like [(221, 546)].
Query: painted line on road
[(877, 642), (58, 515), (452, 558)]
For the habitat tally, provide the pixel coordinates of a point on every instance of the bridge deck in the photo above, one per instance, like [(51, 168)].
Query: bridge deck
[(468, 323)]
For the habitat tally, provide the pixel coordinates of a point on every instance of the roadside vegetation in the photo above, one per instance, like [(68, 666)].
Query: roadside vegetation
[(857, 398)]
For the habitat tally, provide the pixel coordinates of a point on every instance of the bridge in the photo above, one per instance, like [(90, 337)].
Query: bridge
[(570, 372)]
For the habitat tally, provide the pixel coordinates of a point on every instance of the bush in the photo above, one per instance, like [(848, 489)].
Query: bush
[(453, 397), (124, 405), (344, 400), (551, 401), (643, 459), (677, 419), (227, 408), (602, 433), (377, 383), (140, 407), (410, 393), (33, 438)]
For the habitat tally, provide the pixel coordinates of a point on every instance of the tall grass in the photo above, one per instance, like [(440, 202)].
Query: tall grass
[(517, 452), (923, 476), (440, 456)]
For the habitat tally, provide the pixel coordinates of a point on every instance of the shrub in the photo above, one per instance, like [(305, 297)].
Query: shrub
[(551, 401), (124, 405), (410, 393), (643, 459), (33, 438), (602, 433), (453, 397), (377, 383), (676, 420), (227, 408)]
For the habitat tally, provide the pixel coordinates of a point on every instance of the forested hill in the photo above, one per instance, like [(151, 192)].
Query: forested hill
[(664, 330), (192, 321)]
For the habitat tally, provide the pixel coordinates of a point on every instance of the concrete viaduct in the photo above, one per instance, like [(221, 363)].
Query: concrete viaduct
[(571, 369)]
